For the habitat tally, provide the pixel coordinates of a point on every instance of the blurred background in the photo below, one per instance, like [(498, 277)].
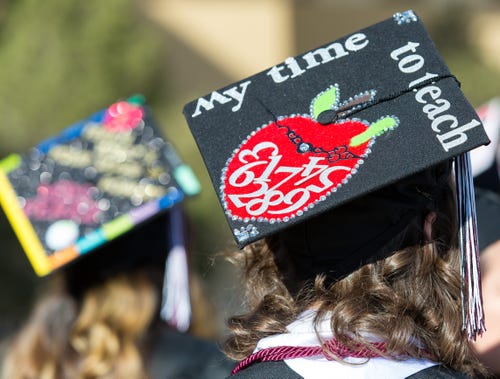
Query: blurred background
[(62, 60)]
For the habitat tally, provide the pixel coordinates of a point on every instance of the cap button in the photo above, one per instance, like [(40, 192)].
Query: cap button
[(327, 117)]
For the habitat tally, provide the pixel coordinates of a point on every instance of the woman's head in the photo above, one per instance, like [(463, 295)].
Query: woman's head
[(95, 316), (371, 228), (112, 320), (97, 335), (396, 283)]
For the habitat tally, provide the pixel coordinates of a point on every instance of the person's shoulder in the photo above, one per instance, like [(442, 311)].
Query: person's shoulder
[(179, 355), (267, 370), (438, 372)]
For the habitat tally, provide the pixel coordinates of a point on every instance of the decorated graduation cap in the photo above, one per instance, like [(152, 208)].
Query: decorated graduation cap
[(97, 180), (111, 177), (334, 124)]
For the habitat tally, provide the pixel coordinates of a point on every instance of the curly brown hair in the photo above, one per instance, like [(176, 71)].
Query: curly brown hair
[(412, 295)]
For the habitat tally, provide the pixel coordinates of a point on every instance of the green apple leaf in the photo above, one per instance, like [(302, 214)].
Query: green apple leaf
[(324, 101), (377, 128)]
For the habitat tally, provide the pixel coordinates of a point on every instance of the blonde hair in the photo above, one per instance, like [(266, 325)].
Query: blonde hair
[(97, 338)]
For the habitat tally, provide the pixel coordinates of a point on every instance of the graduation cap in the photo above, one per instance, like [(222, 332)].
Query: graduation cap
[(485, 159), (334, 124), (95, 181), (106, 178)]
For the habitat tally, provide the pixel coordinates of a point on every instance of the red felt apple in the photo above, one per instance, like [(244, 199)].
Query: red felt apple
[(287, 166)]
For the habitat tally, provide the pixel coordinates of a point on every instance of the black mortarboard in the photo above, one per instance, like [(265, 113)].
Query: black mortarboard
[(332, 125), (99, 179)]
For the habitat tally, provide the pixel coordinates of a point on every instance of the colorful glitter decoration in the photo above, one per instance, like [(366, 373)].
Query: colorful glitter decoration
[(61, 234), (64, 199), (95, 181), (123, 116)]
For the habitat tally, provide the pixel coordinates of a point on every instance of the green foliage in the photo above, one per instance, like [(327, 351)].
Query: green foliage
[(450, 33), (61, 60), (480, 82)]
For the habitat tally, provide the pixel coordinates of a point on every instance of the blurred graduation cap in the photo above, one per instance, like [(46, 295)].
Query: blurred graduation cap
[(109, 177), (485, 168), (334, 124)]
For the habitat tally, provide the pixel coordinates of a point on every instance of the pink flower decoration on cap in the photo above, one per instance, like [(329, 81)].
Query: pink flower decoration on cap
[(64, 199), (122, 116)]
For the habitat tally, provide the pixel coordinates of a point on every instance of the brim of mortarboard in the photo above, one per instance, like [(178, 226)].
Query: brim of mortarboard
[(367, 229), (144, 247), (97, 180), (488, 217), (331, 125)]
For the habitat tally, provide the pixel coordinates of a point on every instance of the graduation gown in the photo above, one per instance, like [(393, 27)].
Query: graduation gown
[(279, 370), (302, 333), (175, 355)]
